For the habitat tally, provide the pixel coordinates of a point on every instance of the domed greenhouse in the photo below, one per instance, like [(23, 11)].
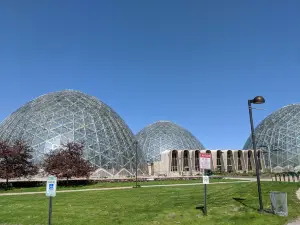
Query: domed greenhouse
[(59, 117), (279, 135), (165, 135)]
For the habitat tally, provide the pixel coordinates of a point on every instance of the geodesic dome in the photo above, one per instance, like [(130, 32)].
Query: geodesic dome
[(57, 118), (165, 135), (280, 133)]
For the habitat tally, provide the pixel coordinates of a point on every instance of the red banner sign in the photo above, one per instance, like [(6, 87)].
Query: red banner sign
[(205, 161)]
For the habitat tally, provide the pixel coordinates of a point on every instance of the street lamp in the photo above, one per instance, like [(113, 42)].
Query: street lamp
[(256, 100), (136, 163)]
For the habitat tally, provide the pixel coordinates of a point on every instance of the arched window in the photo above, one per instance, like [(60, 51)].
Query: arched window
[(229, 161), (259, 159), (219, 160), (240, 167), (249, 160), (186, 160), (174, 163), (197, 166), (211, 163)]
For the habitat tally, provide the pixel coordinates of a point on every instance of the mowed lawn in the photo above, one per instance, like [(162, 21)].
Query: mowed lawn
[(151, 205)]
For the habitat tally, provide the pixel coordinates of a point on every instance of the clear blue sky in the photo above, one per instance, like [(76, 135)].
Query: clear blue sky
[(192, 62)]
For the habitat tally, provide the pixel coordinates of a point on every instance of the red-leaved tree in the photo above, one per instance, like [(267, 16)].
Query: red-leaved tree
[(15, 160), (68, 162)]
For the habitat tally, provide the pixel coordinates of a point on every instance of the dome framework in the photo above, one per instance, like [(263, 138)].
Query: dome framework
[(165, 135), (279, 133), (60, 117)]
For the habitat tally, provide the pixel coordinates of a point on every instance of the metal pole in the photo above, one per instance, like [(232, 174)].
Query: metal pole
[(136, 163), (205, 208), (255, 158), (50, 210)]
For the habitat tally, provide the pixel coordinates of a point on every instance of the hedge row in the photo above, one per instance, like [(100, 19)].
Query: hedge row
[(27, 184)]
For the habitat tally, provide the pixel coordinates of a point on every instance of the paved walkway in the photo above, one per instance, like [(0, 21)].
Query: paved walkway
[(297, 221), (119, 188), (248, 178)]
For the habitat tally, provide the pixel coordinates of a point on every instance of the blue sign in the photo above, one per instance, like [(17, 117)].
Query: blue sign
[(51, 186)]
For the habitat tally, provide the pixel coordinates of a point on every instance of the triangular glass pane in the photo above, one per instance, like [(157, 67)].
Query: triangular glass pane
[(69, 126), (37, 140), (53, 125), (79, 120), (99, 126), (91, 127), (77, 126), (56, 141), (41, 148), (57, 130), (89, 131), (92, 136), (69, 135), (43, 135), (52, 135), (88, 119), (81, 130), (89, 142), (59, 121), (32, 130), (64, 130), (67, 120), (78, 135), (41, 130)]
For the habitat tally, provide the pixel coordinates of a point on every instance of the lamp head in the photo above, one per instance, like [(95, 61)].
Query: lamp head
[(258, 100)]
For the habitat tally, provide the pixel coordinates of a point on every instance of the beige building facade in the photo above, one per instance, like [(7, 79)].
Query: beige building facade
[(186, 162)]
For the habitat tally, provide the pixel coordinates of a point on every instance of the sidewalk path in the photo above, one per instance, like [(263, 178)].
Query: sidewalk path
[(118, 188), (297, 221), (248, 178)]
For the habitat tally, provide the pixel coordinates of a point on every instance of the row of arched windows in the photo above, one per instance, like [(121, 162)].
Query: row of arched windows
[(236, 160)]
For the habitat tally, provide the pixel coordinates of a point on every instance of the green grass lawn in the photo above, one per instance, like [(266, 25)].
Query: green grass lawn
[(146, 206), (115, 184)]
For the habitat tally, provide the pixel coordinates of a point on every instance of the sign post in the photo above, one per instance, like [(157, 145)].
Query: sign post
[(205, 164), (51, 192)]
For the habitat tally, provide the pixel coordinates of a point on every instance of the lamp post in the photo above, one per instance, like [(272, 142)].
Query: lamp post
[(256, 100), (136, 163)]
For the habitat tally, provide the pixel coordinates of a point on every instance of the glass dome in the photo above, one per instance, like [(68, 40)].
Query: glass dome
[(280, 133), (56, 118), (165, 135)]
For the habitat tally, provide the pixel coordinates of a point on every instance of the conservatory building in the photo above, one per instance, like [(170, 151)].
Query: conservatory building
[(186, 162)]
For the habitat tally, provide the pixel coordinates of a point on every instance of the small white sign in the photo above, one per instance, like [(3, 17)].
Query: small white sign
[(205, 179), (205, 159), (51, 186)]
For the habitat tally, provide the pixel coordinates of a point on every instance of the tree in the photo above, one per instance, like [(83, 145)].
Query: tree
[(15, 160), (68, 162)]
